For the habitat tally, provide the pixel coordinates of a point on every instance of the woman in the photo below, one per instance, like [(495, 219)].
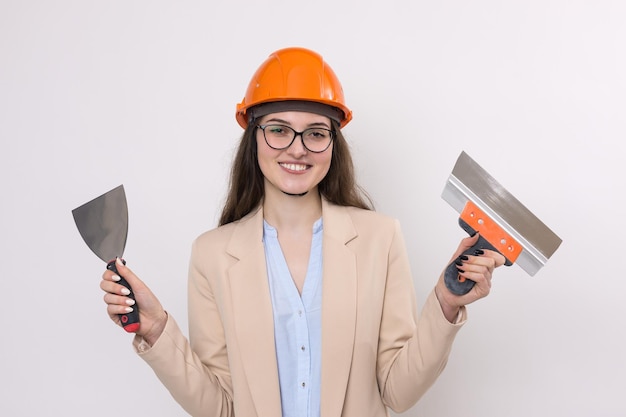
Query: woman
[(301, 302)]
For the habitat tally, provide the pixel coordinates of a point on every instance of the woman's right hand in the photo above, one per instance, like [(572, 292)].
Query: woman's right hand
[(152, 316)]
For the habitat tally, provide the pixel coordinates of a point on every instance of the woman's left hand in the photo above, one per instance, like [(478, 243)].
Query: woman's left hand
[(478, 268)]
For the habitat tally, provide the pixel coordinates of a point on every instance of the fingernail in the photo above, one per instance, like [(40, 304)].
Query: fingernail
[(125, 291), (479, 252), (460, 270), (115, 278), (128, 309), (119, 262), (463, 258), (130, 302), (458, 262)]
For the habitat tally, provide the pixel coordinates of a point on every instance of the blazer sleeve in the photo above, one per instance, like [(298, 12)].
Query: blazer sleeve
[(200, 383), (413, 350)]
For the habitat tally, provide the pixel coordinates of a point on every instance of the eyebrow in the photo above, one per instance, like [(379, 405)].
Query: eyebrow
[(286, 123)]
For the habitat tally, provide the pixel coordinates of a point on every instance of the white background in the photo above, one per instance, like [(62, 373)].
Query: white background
[(94, 94)]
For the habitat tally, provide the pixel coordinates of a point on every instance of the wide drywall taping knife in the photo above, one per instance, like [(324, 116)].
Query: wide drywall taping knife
[(503, 223), (103, 224)]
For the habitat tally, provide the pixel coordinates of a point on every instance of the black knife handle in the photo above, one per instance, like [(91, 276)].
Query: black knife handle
[(130, 321), (459, 285)]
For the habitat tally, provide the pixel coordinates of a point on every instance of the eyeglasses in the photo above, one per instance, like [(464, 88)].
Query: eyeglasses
[(315, 139)]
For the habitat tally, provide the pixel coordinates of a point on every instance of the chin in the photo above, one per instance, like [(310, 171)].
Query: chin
[(294, 190)]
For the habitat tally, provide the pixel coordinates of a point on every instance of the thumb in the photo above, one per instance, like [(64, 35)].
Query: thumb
[(464, 245), (126, 273)]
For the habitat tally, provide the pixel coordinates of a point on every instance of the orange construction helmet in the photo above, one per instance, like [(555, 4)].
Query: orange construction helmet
[(294, 79)]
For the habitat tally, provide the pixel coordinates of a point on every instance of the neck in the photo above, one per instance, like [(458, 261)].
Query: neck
[(294, 211)]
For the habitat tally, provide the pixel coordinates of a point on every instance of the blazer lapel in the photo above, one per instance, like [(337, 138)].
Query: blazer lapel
[(252, 314), (338, 307)]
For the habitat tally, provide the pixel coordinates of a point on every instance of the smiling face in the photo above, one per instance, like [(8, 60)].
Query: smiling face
[(293, 170)]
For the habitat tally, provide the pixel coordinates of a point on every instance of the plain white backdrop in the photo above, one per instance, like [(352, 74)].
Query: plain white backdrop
[(94, 94)]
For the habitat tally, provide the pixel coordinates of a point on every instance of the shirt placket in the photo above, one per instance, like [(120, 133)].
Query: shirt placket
[(304, 358)]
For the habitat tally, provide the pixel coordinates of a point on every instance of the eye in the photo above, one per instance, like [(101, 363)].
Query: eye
[(317, 134), (277, 130)]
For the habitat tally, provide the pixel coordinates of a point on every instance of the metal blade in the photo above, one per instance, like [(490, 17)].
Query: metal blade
[(469, 181), (103, 224)]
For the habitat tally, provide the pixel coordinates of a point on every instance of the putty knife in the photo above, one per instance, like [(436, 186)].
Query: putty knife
[(503, 223), (103, 224)]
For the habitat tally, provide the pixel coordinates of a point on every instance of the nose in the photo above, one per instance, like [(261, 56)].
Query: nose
[(297, 146)]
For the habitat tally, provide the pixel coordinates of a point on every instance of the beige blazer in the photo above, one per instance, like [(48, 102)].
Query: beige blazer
[(376, 353)]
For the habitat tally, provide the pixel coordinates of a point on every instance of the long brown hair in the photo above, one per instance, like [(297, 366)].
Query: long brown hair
[(246, 187)]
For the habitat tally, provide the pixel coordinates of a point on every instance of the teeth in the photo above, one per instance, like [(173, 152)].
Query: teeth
[(294, 167)]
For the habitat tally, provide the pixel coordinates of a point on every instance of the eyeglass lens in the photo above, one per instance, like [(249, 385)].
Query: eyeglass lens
[(281, 137)]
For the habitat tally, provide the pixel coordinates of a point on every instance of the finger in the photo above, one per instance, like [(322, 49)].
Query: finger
[(476, 267), (120, 300), (477, 273), (482, 282), (481, 261), (109, 275), (115, 309), (113, 287), (490, 258), (498, 258)]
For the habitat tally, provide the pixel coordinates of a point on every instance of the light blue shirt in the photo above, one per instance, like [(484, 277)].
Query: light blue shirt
[(297, 325)]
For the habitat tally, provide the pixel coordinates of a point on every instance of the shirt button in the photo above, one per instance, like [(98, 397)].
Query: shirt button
[(302, 348), (303, 384)]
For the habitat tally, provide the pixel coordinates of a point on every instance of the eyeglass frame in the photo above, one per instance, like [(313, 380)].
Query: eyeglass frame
[(296, 134)]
